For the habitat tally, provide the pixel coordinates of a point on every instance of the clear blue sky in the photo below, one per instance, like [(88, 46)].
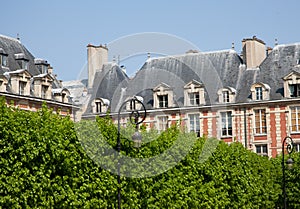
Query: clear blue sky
[(59, 30)]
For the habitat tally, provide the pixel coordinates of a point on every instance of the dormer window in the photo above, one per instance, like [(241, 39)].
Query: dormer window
[(44, 91), (194, 98), (42, 65), (42, 86), (22, 87), (163, 96), (194, 93), (22, 60), (260, 91), (162, 101), (133, 104), (25, 64), (292, 85), (61, 95), (19, 81), (100, 105), (226, 95), (294, 90), (3, 58)]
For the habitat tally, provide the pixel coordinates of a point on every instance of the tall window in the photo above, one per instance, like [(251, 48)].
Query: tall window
[(225, 96), (194, 123), (163, 100), (262, 149), (260, 121), (294, 90), (226, 123), (258, 93), (44, 91), (194, 98), (132, 105), (162, 123), (295, 116), (22, 86)]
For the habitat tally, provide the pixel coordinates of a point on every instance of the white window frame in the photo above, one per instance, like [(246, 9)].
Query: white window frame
[(162, 101), (194, 123), (297, 119), (226, 124), (259, 149), (225, 96), (259, 93), (162, 123), (194, 98), (261, 113)]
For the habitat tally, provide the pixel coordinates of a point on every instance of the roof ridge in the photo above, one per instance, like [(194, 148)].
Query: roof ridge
[(10, 38)]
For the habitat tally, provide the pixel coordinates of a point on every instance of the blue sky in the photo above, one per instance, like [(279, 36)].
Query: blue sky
[(59, 31)]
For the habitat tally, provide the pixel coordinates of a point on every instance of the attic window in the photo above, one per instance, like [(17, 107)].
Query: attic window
[(25, 64), (22, 86), (134, 103), (294, 90), (163, 96), (260, 91), (3, 60), (226, 94), (194, 93), (162, 100), (100, 105), (194, 98)]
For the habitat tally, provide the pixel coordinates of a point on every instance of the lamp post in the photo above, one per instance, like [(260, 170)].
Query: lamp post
[(288, 144), (134, 117)]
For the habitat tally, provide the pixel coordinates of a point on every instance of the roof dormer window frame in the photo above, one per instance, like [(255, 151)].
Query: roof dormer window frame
[(227, 95), (292, 85), (194, 93), (100, 105), (3, 60), (133, 104), (260, 91), (163, 96)]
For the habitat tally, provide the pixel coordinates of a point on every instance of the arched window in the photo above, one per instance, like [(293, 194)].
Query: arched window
[(260, 91), (227, 95)]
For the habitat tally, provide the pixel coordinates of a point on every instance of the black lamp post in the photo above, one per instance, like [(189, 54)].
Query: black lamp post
[(288, 144), (137, 116)]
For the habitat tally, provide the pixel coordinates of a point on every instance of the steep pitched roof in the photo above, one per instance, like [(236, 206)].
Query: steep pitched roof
[(215, 70), (14, 47)]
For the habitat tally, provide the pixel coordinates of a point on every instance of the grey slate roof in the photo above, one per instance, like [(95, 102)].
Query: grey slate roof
[(11, 47), (214, 69), (15, 49)]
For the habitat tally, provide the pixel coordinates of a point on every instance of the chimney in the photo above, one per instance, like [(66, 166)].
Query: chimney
[(50, 70), (97, 56), (254, 51)]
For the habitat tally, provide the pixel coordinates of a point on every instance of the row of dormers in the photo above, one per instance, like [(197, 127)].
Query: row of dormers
[(21, 82), (194, 94)]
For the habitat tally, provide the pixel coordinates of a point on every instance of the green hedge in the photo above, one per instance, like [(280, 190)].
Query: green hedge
[(44, 165)]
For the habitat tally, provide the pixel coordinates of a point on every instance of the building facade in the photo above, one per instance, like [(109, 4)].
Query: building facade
[(252, 98), (27, 82)]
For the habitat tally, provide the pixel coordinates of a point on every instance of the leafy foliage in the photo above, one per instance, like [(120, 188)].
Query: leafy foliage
[(44, 165)]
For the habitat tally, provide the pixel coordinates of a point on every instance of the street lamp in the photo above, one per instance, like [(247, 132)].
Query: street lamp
[(289, 145), (137, 116)]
